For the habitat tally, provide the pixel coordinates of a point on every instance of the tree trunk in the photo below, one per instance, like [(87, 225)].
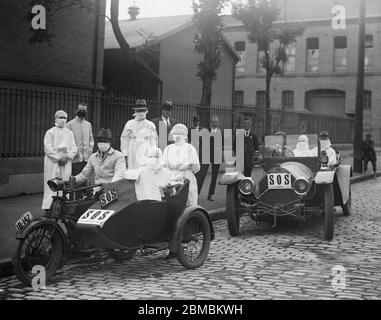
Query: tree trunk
[(206, 95), (114, 10), (268, 128)]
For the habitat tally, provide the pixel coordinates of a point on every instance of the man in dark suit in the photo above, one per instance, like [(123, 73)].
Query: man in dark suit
[(250, 145), (165, 119), (200, 176), (215, 131), (369, 153)]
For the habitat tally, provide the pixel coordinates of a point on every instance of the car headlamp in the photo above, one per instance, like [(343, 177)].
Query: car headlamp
[(246, 186), (257, 159), (301, 186)]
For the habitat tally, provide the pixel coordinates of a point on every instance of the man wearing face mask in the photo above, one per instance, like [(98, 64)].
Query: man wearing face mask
[(107, 164), (83, 135), (182, 159), (60, 149), (325, 145), (139, 134)]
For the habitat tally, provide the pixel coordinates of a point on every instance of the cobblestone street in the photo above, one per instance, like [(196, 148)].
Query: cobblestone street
[(290, 262)]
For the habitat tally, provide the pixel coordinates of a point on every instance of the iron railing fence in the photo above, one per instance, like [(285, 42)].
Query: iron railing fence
[(26, 114)]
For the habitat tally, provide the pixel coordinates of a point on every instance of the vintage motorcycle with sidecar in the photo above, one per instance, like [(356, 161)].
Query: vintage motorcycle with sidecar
[(284, 185), (114, 221)]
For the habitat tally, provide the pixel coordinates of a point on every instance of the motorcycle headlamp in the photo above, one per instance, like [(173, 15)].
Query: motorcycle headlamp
[(246, 186), (55, 184)]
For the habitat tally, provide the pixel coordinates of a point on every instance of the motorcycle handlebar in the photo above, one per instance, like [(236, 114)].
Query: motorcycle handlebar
[(59, 185)]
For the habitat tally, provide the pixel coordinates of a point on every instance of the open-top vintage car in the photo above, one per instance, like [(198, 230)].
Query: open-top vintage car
[(285, 185), (115, 221)]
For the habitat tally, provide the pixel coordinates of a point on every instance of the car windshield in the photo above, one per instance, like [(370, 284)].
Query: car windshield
[(291, 146)]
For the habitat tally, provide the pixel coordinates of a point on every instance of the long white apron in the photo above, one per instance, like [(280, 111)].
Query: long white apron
[(136, 139), (57, 142)]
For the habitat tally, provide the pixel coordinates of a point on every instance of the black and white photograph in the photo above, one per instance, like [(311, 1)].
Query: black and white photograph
[(190, 155)]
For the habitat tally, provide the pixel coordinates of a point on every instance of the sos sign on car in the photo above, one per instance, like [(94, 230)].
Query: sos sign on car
[(279, 181)]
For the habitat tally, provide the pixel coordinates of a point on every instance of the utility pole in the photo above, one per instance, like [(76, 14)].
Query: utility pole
[(357, 154)]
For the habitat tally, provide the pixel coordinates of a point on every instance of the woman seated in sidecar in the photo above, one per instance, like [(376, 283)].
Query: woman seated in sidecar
[(153, 181)]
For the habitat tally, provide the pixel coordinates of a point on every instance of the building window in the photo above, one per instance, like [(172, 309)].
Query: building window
[(312, 55), (367, 100), (289, 66), (340, 54), (240, 48), (368, 41), (260, 57), (368, 60), (261, 99), (287, 99), (238, 98)]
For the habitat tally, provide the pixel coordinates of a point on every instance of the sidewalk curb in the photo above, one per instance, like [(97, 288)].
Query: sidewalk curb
[(6, 268)]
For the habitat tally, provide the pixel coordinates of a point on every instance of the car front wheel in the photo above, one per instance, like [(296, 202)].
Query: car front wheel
[(232, 213), (328, 212)]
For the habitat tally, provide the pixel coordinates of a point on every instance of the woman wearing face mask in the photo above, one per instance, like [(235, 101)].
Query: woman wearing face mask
[(302, 148), (153, 177), (60, 149), (182, 159), (107, 164), (139, 134)]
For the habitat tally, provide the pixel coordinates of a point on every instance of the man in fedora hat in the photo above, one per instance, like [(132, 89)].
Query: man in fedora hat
[(139, 134), (166, 123), (107, 164)]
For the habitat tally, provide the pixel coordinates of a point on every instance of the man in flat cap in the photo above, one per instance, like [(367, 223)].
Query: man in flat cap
[(107, 164), (60, 149), (369, 154), (166, 123), (139, 134)]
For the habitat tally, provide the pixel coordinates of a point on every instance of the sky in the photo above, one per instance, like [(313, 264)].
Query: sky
[(155, 8)]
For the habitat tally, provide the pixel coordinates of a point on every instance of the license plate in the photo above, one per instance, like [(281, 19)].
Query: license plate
[(279, 181), (25, 219), (95, 216), (108, 197)]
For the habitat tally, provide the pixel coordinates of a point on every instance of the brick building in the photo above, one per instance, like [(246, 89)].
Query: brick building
[(320, 75), (37, 79)]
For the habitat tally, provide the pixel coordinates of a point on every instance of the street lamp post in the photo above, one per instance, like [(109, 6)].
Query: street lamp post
[(358, 134)]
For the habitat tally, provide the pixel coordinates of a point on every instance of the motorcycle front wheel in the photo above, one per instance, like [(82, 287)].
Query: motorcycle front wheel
[(40, 253)]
